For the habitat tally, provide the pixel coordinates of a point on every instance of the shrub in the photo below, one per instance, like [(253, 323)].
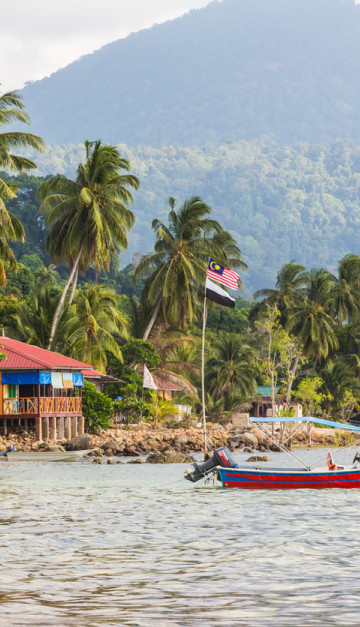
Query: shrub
[(97, 408)]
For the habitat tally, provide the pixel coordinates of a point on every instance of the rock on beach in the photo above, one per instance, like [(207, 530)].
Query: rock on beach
[(140, 441)]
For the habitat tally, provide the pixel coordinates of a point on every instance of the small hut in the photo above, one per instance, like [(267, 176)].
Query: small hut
[(41, 389)]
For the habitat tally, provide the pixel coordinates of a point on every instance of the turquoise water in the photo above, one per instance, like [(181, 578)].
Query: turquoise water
[(83, 544)]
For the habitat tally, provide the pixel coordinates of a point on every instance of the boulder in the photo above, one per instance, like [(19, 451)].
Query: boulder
[(250, 439), (261, 437), (258, 458), (275, 448), (168, 457), (111, 445), (55, 448), (180, 441), (79, 443)]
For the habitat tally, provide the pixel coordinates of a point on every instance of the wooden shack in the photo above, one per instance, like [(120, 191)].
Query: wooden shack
[(41, 389)]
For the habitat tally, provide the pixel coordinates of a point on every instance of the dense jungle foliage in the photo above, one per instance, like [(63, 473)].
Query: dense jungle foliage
[(62, 287), (279, 202)]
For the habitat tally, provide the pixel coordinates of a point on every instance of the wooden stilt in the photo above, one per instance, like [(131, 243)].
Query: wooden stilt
[(67, 428), (52, 428)]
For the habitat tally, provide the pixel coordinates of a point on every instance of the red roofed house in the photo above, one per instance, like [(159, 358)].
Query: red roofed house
[(166, 387), (41, 388)]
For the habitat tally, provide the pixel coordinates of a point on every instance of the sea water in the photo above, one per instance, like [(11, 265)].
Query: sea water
[(84, 544)]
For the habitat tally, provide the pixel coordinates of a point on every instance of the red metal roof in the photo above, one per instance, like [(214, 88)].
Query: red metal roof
[(93, 373), (21, 356), (105, 378), (164, 386)]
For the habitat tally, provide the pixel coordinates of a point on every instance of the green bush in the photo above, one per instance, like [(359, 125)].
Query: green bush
[(97, 408)]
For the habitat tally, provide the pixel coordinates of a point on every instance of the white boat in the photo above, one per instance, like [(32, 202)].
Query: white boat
[(45, 456)]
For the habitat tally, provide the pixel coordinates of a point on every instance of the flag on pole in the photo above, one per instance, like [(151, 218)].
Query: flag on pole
[(148, 380), (222, 275), (218, 295)]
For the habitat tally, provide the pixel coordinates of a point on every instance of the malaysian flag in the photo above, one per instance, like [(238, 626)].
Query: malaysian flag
[(222, 275)]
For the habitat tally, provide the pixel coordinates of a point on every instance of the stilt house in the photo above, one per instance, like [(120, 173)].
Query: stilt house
[(41, 389)]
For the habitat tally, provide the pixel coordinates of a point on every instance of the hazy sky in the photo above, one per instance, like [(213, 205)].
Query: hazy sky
[(41, 36)]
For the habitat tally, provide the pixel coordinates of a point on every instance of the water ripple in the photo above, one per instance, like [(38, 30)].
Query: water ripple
[(94, 545)]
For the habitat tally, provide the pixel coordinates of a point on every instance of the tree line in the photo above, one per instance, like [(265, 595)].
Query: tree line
[(301, 336)]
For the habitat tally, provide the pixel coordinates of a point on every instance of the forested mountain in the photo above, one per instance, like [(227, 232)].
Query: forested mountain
[(282, 70), (295, 202)]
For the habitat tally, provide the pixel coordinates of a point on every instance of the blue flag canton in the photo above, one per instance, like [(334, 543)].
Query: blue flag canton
[(215, 267)]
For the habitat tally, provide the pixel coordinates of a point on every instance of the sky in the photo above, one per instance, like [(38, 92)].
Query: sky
[(40, 36)]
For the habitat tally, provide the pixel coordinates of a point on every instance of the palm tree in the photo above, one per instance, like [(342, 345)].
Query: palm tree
[(32, 323), (310, 320), (12, 109), (346, 290), (291, 284), (88, 218), (97, 326), (179, 262), (161, 409), (231, 373), (313, 327), (339, 380), (320, 287)]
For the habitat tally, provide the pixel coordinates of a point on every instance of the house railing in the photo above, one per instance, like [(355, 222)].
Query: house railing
[(56, 405)]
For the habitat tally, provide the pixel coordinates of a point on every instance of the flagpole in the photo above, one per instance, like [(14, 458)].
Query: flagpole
[(203, 376)]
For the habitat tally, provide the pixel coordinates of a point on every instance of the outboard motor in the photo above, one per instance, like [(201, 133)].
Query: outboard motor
[(221, 457)]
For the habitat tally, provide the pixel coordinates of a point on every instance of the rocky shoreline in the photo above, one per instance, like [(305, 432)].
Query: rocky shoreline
[(166, 445)]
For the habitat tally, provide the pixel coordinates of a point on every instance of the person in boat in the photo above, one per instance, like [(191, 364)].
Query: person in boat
[(331, 464), (10, 449)]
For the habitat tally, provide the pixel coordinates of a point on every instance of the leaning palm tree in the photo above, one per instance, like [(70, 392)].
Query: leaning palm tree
[(12, 110), (178, 265), (88, 218)]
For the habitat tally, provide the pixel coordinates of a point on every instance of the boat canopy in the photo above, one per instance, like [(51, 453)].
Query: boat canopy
[(319, 421)]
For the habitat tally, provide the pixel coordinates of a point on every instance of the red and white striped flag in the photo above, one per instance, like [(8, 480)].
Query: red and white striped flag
[(222, 275)]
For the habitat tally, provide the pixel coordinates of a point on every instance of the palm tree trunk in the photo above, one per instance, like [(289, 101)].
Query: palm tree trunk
[(73, 287), (62, 299), (152, 320)]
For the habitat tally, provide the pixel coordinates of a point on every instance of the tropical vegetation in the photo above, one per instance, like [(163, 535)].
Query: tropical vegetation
[(65, 289)]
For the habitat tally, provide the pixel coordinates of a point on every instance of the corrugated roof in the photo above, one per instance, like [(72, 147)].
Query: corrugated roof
[(164, 386), (105, 378), (21, 356)]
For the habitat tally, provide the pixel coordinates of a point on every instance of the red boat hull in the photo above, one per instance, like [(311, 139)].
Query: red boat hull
[(288, 480)]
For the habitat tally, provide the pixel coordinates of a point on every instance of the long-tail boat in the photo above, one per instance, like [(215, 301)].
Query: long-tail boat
[(327, 475)]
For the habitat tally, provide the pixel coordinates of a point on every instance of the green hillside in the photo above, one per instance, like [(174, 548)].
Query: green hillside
[(279, 70), (280, 203)]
